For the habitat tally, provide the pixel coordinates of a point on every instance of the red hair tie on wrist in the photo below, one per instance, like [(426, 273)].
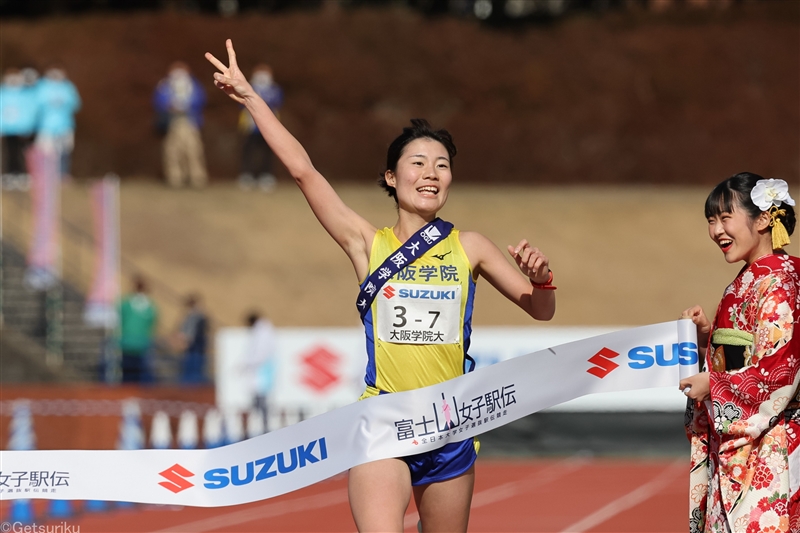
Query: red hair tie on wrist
[(547, 285)]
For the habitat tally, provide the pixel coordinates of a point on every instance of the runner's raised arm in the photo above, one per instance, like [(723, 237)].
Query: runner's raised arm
[(352, 232)]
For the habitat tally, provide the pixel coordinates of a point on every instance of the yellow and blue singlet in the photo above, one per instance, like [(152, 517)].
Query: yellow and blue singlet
[(432, 281), (398, 366)]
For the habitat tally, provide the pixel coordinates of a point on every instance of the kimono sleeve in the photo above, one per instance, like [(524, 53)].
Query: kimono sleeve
[(746, 401)]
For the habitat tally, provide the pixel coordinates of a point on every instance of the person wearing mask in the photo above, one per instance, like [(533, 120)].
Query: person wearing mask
[(59, 101), (179, 100), (19, 111)]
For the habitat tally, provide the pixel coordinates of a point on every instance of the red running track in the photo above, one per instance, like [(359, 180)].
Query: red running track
[(572, 494)]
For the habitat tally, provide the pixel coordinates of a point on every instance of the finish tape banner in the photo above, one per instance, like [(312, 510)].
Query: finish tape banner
[(389, 425)]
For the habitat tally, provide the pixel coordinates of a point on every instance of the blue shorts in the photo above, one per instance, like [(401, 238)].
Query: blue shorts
[(447, 462)]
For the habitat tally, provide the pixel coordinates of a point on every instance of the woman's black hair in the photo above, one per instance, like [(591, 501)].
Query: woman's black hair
[(420, 129), (735, 192)]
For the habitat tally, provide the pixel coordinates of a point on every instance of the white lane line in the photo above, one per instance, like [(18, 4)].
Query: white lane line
[(512, 488), (629, 500), (269, 510)]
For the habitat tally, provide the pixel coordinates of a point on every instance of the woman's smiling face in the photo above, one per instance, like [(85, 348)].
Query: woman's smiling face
[(423, 177), (739, 237)]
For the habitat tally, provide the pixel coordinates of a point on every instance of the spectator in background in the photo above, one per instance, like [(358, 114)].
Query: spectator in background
[(18, 117), (138, 317), (179, 100), (31, 76), (193, 339), (258, 372), (256, 154), (58, 102)]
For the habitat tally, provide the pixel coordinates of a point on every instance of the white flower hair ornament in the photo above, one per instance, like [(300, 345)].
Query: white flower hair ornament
[(769, 195)]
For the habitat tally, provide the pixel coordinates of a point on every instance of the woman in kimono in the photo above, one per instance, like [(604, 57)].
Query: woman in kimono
[(743, 422)]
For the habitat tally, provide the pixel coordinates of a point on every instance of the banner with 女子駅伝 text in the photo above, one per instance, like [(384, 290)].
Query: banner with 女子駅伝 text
[(389, 425)]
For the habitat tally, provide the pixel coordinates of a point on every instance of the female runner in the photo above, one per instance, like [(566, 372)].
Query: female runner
[(418, 176), (743, 423)]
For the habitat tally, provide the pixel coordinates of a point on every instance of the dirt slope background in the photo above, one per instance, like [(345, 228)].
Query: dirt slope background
[(622, 255), (687, 96)]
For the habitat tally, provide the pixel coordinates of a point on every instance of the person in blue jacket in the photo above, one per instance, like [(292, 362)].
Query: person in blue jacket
[(19, 110), (179, 100), (58, 102)]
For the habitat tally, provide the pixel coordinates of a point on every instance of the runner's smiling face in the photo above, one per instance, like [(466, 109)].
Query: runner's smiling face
[(740, 237), (423, 177)]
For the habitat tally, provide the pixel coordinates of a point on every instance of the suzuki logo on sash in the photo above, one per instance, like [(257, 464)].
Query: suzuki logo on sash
[(388, 292), (603, 363), (176, 476)]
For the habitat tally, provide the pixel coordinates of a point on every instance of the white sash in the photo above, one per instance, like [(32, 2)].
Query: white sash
[(390, 425)]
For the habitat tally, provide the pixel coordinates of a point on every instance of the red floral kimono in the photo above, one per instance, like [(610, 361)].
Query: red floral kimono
[(745, 458)]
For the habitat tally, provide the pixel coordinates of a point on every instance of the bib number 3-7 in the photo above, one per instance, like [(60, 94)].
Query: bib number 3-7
[(419, 314)]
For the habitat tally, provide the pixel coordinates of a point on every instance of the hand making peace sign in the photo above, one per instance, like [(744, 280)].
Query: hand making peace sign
[(230, 79)]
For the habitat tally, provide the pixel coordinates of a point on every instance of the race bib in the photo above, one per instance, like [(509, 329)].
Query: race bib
[(419, 314)]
